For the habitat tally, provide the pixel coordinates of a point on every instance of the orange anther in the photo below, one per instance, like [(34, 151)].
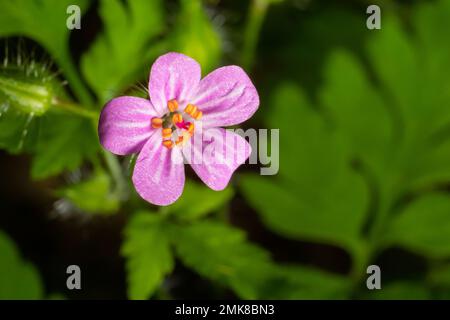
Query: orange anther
[(177, 118), (172, 105), (189, 108), (168, 143), (193, 111), (191, 128), (197, 115), (166, 132), (157, 122)]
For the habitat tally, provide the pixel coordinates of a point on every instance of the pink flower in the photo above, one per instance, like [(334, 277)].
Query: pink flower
[(166, 126)]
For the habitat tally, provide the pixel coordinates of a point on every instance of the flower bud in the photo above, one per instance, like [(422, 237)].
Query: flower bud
[(31, 94)]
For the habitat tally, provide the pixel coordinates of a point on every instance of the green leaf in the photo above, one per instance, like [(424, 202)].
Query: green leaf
[(375, 137), (59, 142), (333, 216), (395, 62), (431, 23), (424, 226), (149, 258), (124, 49), (93, 195), (431, 167), (198, 200), (317, 195), (440, 276), (221, 253), (301, 282), (18, 279), (360, 113), (44, 22), (439, 279), (414, 153), (64, 143), (194, 35), (409, 69)]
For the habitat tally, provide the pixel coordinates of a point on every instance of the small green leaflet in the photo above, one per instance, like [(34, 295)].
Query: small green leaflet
[(147, 250)]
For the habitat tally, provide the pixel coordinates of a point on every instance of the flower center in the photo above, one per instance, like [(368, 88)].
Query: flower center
[(176, 127)]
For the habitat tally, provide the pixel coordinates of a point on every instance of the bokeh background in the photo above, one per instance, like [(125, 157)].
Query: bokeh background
[(364, 119)]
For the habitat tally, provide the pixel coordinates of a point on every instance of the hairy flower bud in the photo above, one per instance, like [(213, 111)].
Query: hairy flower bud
[(27, 90)]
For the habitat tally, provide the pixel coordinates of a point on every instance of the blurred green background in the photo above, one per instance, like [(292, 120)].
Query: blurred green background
[(364, 119)]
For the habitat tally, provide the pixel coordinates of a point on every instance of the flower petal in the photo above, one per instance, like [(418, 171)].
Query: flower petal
[(125, 124), (226, 97), (159, 172), (218, 155), (173, 76)]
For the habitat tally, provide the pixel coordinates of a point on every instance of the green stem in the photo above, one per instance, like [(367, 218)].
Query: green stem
[(387, 197), (82, 93), (361, 255), (116, 172), (256, 15), (379, 224), (74, 109), (65, 61), (365, 251)]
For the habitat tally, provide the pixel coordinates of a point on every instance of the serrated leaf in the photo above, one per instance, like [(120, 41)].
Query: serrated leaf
[(316, 196), (409, 68), (360, 113), (64, 143), (18, 279), (395, 127), (395, 62), (411, 84), (198, 200), (147, 250), (124, 49), (221, 253), (58, 142), (431, 23), (93, 195), (333, 216), (424, 226)]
